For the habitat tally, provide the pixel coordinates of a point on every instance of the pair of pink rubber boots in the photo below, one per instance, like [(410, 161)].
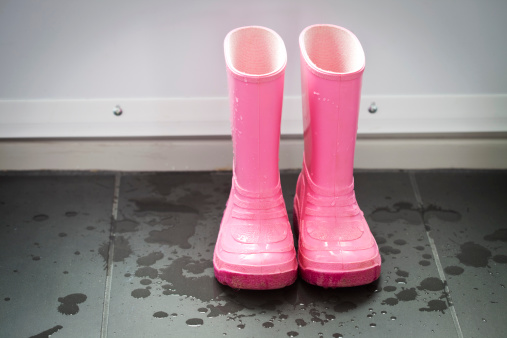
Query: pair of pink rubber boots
[(255, 247)]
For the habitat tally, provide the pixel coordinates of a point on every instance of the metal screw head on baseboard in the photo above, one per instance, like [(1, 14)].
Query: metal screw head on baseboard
[(373, 108), (117, 111)]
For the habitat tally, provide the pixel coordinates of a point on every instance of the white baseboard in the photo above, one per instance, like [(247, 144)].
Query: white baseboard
[(210, 116), (192, 134), (216, 154)]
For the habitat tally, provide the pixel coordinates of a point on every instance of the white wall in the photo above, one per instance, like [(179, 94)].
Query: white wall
[(431, 66), (60, 49), (434, 67)]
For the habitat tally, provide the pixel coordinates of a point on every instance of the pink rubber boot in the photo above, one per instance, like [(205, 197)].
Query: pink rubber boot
[(255, 247), (336, 247)]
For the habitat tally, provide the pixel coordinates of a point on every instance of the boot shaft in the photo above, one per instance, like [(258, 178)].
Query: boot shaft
[(255, 59), (332, 64)]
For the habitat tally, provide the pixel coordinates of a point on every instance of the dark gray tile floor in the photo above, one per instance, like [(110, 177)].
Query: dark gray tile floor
[(130, 255), (52, 275)]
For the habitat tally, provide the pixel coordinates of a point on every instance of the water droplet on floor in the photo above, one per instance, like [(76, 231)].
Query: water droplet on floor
[(146, 271), (194, 322), (393, 318), (388, 250), (373, 325), (300, 322), (453, 270), (407, 294), (160, 314), (40, 218), (140, 293), (69, 304), (267, 325), (292, 334), (431, 284), (473, 254), (150, 259), (390, 301), (402, 273), (435, 305), (122, 249)]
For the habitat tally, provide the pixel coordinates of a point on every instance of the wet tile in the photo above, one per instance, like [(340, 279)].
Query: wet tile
[(467, 217), (166, 227), (163, 278), (52, 275), (411, 301)]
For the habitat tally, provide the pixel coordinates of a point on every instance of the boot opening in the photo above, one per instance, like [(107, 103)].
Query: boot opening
[(255, 51), (332, 49)]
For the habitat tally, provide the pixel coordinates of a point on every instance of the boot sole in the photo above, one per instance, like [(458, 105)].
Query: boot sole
[(336, 279), (238, 280), (332, 279)]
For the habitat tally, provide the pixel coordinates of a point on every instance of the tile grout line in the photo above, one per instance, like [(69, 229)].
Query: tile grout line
[(109, 274), (440, 270)]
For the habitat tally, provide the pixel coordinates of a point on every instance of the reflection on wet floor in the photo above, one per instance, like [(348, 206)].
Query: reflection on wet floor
[(148, 271)]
